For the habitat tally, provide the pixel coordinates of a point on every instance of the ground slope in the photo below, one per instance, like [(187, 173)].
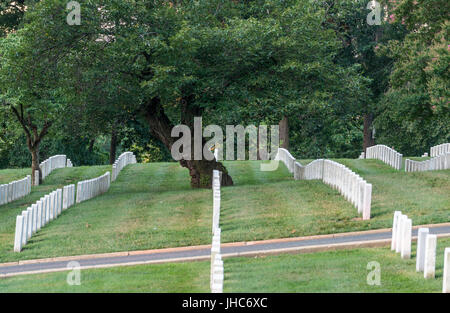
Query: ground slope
[(152, 206)]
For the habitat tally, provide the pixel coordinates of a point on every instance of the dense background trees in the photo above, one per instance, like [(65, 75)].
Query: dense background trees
[(134, 69), (414, 113)]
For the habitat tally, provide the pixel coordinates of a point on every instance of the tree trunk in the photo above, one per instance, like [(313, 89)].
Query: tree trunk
[(34, 138), (368, 140), (35, 163), (284, 133), (113, 146), (161, 128), (201, 173), (91, 146)]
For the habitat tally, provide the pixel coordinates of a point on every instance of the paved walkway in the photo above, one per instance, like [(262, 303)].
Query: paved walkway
[(197, 253)]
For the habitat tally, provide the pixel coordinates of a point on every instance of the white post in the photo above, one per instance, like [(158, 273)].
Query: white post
[(52, 206), (60, 198), (406, 242), (35, 218), (47, 209), (397, 215), (39, 215), (18, 235), (446, 273), (362, 183), (420, 255), (25, 227), (367, 201), (36, 178), (65, 197), (399, 234), (430, 256), (215, 249), (30, 223)]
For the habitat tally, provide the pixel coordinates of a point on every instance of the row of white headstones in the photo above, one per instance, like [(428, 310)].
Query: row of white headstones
[(385, 154), (41, 213), (426, 248), (440, 149), (15, 190), (50, 206), (349, 184), (217, 270), (51, 164), (440, 162), (123, 160), (20, 188), (90, 188)]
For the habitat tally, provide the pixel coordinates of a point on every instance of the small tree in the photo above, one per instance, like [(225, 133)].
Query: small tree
[(25, 90)]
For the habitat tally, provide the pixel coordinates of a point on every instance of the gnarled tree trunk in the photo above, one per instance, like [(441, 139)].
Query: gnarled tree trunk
[(161, 127), (34, 138), (35, 162)]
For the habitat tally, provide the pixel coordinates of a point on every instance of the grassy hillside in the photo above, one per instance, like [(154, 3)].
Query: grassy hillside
[(9, 175), (334, 271), (152, 206)]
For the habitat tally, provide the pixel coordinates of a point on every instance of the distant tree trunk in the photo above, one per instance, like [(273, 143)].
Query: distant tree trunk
[(284, 133), (35, 163), (113, 145), (258, 156), (91, 146), (368, 117), (368, 140), (161, 127), (34, 138)]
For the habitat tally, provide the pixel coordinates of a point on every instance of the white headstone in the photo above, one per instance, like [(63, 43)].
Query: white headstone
[(420, 256), (18, 236), (446, 273), (395, 223), (406, 241), (430, 256)]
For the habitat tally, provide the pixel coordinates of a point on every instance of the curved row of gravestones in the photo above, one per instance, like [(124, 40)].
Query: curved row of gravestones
[(50, 206), (352, 186), (21, 188), (123, 160), (15, 190), (385, 154), (51, 164), (426, 248), (343, 179), (440, 158)]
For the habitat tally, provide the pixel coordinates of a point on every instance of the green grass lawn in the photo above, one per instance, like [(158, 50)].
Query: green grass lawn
[(334, 271), (10, 175), (57, 179), (152, 206)]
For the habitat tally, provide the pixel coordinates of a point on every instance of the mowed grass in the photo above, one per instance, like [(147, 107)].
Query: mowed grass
[(57, 179), (333, 271), (423, 196), (168, 278), (9, 175), (153, 206)]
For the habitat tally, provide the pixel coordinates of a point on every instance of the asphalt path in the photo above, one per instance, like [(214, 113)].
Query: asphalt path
[(360, 239)]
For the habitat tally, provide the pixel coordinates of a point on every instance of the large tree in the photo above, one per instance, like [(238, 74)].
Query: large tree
[(175, 60), (360, 41), (415, 112)]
